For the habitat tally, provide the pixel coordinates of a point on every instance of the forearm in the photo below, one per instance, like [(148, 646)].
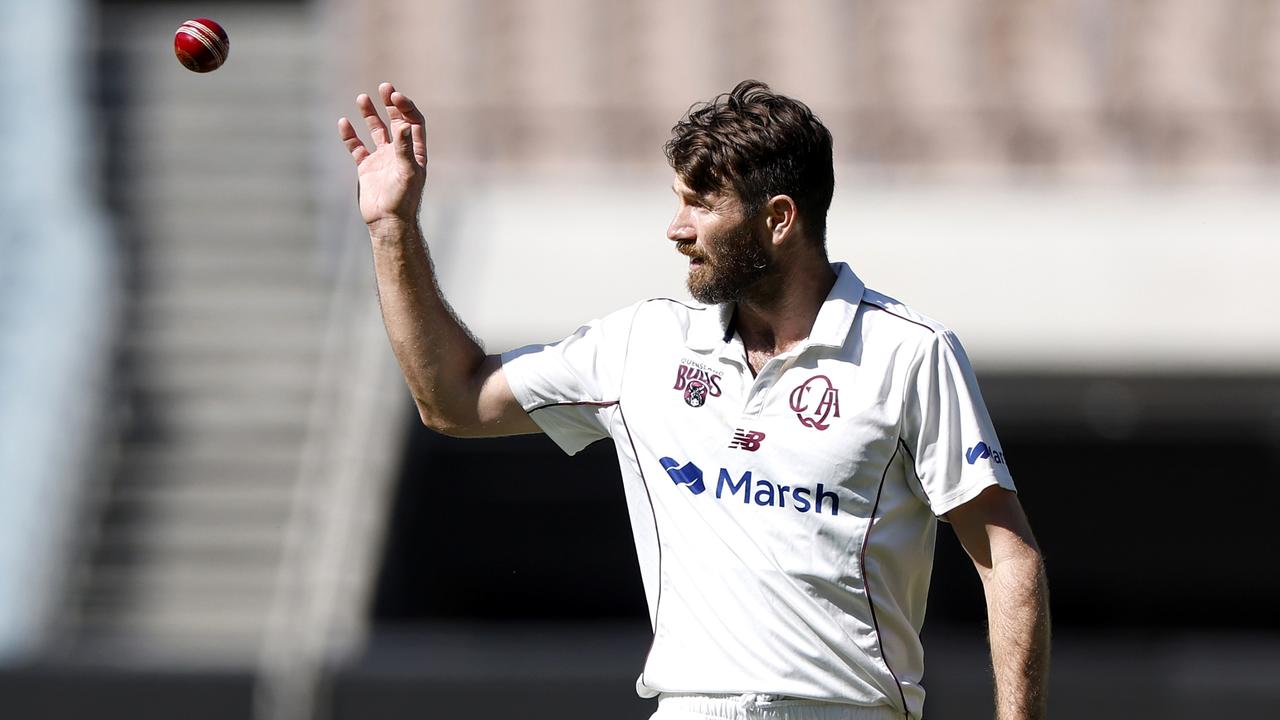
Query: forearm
[(439, 357), (1017, 595)]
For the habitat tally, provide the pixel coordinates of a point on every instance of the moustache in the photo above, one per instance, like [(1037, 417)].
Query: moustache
[(686, 249)]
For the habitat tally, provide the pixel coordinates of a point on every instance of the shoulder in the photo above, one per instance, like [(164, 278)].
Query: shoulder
[(920, 335), (650, 310), (665, 312), (889, 313), (887, 321), (677, 308), (653, 319)]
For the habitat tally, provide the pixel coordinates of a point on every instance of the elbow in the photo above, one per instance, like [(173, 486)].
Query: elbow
[(1028, 563), (1033, 562), (1027, 575), (431, 416), (440, 422), (1020, 566)]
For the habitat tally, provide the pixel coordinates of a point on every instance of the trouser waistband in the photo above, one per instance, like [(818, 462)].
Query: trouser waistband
[(757, 706)]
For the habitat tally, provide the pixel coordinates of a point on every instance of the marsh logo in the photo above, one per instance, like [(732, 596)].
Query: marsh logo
[(815, 402), (754, 490), (697, 382), (689, 476), (982, 451)]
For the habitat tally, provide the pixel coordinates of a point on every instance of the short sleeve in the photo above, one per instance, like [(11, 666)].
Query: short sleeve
[(947, 429), (569, 387)]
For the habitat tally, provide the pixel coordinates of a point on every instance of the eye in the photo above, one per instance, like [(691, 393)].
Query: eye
[(691, 201)]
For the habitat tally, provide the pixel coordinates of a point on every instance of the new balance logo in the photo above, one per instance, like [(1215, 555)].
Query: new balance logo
[(981, 451), (746, 440), (689, 476)]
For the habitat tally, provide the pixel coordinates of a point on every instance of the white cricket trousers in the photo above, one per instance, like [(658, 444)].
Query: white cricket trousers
[(755, 706)]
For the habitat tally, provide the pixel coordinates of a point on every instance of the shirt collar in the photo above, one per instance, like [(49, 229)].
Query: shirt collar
[(712, 329), (835, 317)]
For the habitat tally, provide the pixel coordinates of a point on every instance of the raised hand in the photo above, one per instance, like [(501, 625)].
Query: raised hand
[(391, 177)]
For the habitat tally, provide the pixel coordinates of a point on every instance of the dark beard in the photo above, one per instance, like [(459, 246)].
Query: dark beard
[(740, 269)]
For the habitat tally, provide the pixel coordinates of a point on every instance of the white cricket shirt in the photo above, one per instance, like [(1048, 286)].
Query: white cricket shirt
[(784, 523)]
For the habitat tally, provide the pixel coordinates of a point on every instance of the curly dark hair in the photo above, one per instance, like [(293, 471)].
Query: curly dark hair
[(759, 144)]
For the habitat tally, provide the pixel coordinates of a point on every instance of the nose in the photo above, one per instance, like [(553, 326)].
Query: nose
[(680, 227)]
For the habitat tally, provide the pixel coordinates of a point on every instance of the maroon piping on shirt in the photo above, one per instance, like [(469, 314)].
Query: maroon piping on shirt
[(866, 580)]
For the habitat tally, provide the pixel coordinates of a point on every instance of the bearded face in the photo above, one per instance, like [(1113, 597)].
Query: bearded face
[(726, 264), (728, 261)]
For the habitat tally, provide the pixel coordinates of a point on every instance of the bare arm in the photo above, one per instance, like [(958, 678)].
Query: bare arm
[(994, 531), (458, 389)]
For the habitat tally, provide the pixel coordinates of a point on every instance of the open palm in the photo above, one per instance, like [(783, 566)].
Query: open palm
[(391, 176)]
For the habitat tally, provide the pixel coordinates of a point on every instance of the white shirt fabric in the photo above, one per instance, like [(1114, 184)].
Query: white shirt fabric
[(784, 523)]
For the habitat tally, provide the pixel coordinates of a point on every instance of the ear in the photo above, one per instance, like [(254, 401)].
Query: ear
[(782, 218)]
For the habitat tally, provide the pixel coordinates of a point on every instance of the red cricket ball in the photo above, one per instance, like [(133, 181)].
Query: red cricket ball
[(201, 45)]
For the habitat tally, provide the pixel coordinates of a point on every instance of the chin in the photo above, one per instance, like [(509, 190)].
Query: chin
[(696, 293), (695, 283)]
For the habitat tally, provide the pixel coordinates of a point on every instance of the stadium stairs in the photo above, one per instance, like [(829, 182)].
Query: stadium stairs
[(239, 530)]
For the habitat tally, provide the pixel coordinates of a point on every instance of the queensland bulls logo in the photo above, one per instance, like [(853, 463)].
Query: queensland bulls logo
[(697, 382), (815, 402), (695, 393)]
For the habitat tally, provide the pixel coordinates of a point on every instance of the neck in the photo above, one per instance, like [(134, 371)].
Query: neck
[(773, 320)]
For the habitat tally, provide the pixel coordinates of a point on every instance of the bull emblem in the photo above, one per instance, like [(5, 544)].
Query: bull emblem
[(695, 393)]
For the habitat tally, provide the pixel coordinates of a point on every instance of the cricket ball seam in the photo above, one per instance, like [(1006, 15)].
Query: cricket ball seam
[(204, 29), (206, 37)]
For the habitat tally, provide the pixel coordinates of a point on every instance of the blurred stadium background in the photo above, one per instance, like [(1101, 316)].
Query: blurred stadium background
[(215, 501)]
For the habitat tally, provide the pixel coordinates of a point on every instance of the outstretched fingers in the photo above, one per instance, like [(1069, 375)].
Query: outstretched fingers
[(385, 91), (377, 129), (404, 145), (407, 131), (403, 110), (353, 143)]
